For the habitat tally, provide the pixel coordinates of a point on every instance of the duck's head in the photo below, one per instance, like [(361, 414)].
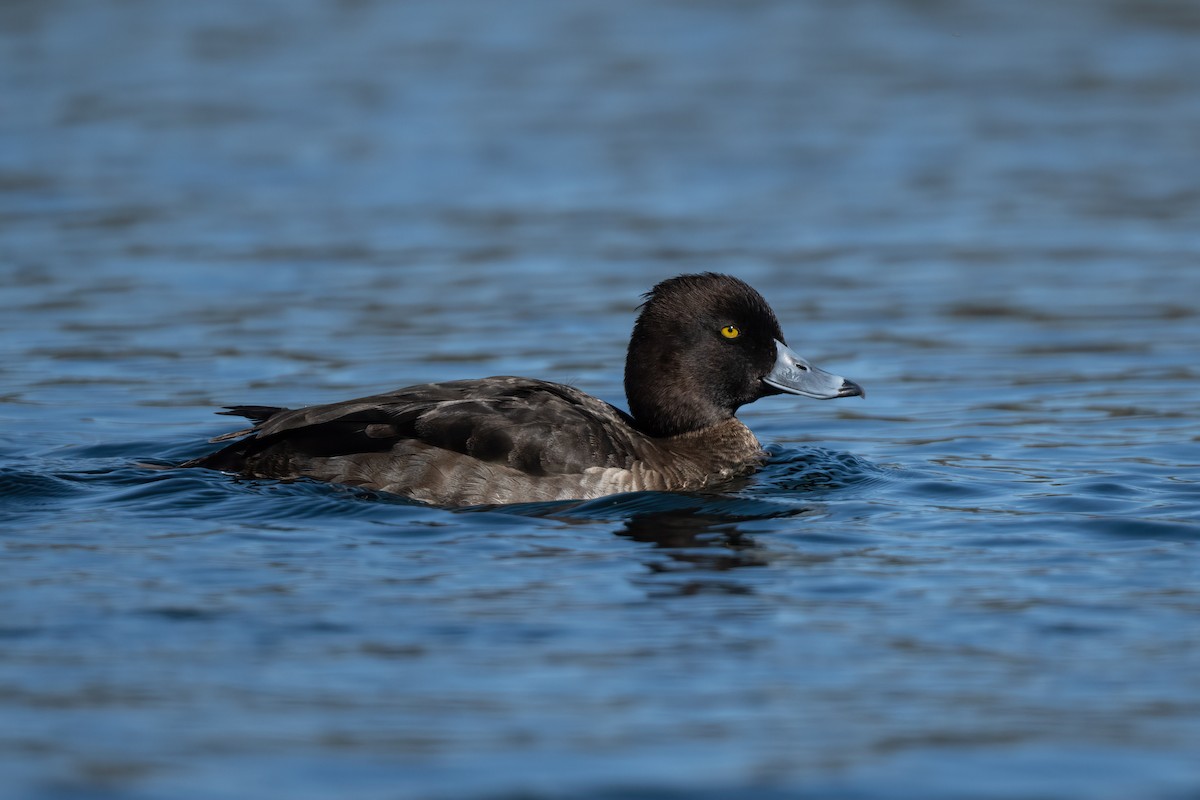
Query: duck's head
[(705, 345)]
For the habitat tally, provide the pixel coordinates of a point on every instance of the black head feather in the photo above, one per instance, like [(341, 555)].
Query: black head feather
[(681, 373)]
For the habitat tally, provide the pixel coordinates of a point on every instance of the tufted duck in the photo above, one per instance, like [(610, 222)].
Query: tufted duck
[(703, 346)]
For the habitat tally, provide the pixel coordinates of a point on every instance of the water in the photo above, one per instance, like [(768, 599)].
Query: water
[(981, 581)]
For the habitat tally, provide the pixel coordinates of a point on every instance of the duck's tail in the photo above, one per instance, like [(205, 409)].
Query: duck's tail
[(231, 458)]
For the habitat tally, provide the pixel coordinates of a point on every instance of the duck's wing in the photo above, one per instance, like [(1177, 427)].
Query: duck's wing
[(535, 427)]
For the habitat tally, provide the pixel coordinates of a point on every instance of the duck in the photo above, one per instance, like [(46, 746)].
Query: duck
[(703, 346)]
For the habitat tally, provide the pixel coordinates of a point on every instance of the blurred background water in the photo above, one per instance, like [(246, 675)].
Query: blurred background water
[(981, 581)]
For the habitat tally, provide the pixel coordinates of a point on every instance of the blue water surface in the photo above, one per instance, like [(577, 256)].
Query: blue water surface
[(982, 581)]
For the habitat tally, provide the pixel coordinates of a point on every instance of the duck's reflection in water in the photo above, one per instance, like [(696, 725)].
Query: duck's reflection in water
[(697, 552), (699, 546)]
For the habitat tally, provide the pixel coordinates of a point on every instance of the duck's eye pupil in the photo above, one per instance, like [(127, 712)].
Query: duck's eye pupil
[(730, 332)]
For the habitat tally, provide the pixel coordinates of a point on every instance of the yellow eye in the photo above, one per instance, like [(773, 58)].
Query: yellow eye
[(730, 332)]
